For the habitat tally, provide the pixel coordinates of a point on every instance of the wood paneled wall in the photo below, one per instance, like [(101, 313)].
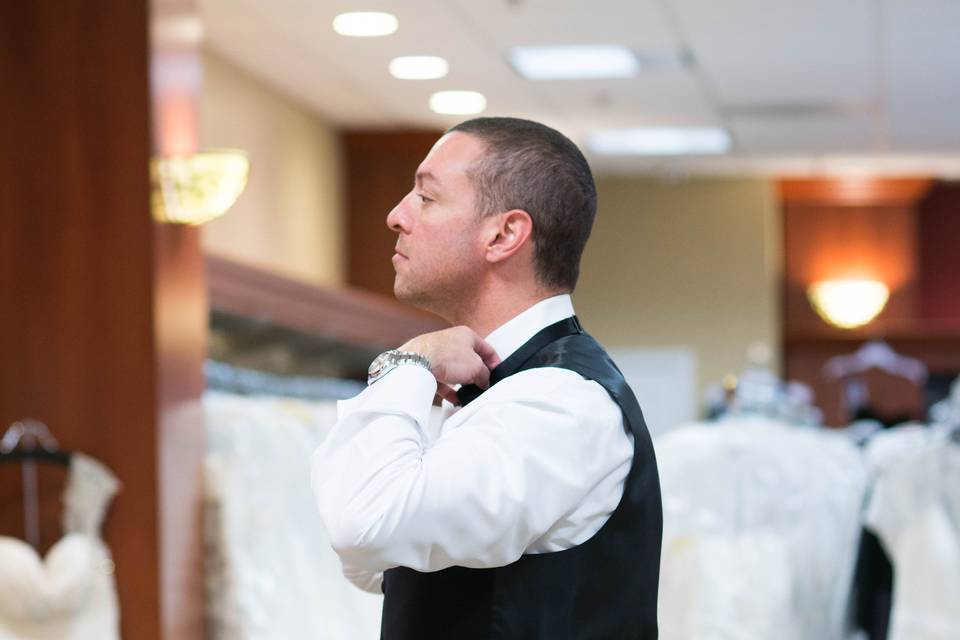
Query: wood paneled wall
[(860, 229), (891, 230), (940, 254), (89, 310), (380, 166)]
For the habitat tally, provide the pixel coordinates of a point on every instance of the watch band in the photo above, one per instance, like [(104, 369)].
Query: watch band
[(390, 360)]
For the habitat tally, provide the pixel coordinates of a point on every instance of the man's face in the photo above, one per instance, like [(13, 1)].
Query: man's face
[(439, 251)]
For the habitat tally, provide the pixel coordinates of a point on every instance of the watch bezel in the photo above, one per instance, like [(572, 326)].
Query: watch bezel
[(378, 365)]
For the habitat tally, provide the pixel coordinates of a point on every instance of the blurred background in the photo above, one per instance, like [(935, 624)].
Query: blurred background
[(194, 266)]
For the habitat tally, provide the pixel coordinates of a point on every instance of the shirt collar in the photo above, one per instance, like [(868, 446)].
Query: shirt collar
[(511, 335)]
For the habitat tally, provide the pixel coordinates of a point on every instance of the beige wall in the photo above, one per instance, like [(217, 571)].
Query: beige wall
[(290, 217), (693, 264)]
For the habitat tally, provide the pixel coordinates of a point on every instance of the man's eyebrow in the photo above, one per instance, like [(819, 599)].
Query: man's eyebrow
[(423, 176)]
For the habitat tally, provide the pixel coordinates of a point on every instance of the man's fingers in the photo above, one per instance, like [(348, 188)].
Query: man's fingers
[(446, 392), (487, 353), (482, 379)]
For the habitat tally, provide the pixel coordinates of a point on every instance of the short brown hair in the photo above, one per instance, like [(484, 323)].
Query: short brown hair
[(529, 166)]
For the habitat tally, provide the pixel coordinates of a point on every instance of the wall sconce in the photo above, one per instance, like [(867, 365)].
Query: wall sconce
[(196, 188), (848, 303)]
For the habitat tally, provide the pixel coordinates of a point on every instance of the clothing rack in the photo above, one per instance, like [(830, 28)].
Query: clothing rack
[(293, 331), (221, 376)]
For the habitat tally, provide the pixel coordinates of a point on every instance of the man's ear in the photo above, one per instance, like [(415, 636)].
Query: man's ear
[(509, 232)]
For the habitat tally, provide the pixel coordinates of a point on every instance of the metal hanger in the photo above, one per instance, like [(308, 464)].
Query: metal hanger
[(29, 441)]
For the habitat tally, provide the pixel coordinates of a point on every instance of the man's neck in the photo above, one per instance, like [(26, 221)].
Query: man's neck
[(496, 308)]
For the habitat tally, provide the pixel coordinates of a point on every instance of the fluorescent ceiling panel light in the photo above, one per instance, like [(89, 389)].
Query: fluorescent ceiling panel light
[(418, 67), (574, 62), (660, 141), (457, 102), (664, 60), (365, 24)]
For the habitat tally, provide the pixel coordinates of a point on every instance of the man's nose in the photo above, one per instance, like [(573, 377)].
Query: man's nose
[(398, 220)]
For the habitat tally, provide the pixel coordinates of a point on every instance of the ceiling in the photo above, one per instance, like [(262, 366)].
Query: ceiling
[(805, 87)]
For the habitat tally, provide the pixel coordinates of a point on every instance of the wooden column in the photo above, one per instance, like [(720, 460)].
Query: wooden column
[(102, 317), (379, 167)]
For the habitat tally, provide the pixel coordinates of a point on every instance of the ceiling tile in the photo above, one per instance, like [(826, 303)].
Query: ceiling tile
[(635, 23), (783, 51), (795, 81), (825, 134), (923, 74)]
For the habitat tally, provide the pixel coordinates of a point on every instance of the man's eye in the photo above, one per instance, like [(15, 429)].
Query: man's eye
[(424, 198)]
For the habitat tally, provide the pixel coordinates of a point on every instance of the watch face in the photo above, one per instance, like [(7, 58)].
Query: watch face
[(377, 365)]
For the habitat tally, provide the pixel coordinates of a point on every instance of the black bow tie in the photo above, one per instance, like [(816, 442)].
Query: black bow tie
[(468, 393), (568, 326)]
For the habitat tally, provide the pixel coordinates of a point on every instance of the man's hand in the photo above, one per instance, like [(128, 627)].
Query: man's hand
[(457, 356)]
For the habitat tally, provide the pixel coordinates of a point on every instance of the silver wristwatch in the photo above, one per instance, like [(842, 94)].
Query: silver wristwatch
[(390, 360)]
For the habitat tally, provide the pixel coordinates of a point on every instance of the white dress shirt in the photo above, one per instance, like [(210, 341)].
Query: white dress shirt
[(535, 464)]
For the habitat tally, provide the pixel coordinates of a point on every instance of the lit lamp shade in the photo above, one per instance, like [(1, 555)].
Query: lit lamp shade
[(194, 189), (848, 303)]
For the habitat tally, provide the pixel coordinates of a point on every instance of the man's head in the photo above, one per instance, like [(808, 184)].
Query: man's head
[(531, 167), (497, 195)]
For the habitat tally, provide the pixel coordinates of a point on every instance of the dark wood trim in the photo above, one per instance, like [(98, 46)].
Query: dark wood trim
[(930, 330), (344, 314)]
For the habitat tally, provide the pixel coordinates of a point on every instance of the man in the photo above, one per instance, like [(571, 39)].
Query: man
[(530, 508)]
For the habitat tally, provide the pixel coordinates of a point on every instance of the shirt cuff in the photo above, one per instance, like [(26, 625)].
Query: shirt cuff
[(407, 389)]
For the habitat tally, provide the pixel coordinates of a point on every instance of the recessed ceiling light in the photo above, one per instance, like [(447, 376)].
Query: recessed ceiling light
[(418, 67), (576, 61), (457, 102), (365, 24), (178, 29), (660, 141)]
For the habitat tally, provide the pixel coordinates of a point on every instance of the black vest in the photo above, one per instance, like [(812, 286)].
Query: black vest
[(604, 588)]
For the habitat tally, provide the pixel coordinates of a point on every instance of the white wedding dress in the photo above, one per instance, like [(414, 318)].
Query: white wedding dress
[(760, 530), (915, 511), (70, 594), (270, 571)]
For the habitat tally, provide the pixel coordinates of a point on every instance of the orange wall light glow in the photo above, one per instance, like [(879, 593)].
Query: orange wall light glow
[(848, 303)]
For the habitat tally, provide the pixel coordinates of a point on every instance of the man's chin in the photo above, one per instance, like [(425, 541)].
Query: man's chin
[(413, 297), (405, 294)]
